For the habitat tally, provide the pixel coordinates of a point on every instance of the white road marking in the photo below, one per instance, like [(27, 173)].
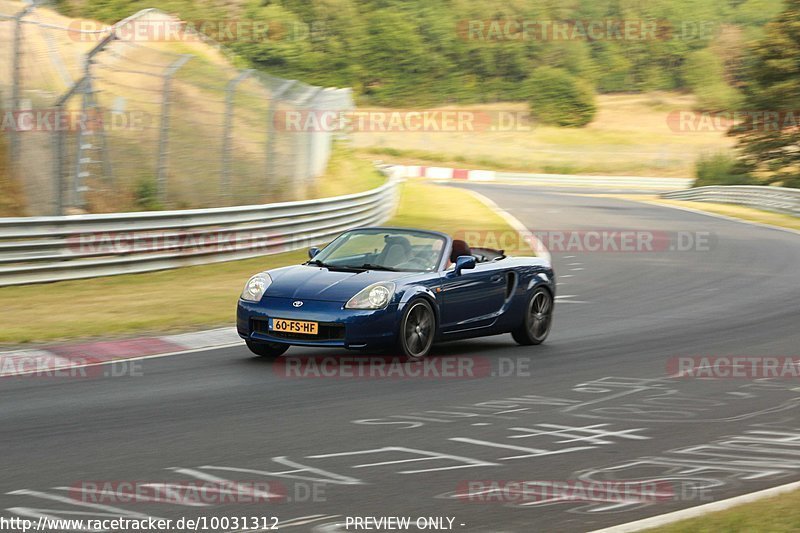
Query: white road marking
[(162, 489), (326, 477), (563, 299), (589, 433), (426, 455), (539, 247), (529, 452)]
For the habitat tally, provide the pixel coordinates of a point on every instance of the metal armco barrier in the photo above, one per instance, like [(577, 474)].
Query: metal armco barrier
[(44, 249), (778, 199)]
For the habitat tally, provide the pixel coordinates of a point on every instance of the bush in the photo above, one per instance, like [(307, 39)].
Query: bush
[(146, 195), (560, 99), (720, 169), (704, 74)]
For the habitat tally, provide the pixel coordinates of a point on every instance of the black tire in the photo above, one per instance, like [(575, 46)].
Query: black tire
[(417, 330), (268, 350), (537, 320)]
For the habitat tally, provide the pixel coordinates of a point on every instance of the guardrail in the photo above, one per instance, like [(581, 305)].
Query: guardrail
[(627, 182), (53, 248), (778, 199), (569, 180)]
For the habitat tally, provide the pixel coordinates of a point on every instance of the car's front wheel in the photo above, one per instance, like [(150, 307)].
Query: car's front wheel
[(537, 320), (417, 330), (270, 350)]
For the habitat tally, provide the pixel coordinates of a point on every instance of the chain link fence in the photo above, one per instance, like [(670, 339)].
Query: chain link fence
[(109, 119)]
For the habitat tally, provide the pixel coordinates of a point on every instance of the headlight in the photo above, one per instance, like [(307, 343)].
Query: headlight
[(256, 287), (376, 296)]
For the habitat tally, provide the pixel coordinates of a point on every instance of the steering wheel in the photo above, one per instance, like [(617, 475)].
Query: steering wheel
[(416, 262)]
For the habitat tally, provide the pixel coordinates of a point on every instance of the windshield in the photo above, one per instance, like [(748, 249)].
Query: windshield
[(383, 249)]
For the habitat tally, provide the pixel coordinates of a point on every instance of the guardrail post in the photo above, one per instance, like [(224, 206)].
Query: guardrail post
[(163, 138), (230, 90), (271, 167)]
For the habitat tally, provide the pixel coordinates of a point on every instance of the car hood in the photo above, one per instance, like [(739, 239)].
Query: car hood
[(307, 282)]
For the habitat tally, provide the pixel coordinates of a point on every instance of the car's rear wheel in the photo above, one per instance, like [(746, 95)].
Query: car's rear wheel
[(269, 350), (537, 320), (417, 330)]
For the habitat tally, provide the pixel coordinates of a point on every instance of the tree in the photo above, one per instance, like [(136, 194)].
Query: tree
[(558, 98), (704, 73), (769, 135)]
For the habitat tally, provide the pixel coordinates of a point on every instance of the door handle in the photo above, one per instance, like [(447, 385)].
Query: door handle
[(496, 278)]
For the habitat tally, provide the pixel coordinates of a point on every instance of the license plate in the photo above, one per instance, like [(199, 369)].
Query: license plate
[(293, 326)]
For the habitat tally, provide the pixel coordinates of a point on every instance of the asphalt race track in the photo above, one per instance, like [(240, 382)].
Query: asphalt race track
[(595, 403)]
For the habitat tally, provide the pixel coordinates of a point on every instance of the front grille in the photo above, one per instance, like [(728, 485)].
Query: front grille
[(326, 331)]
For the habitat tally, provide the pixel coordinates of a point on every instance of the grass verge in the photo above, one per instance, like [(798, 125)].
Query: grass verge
[(201, 296), (734, 211), (345, 174), (778, 514), (738, 211)]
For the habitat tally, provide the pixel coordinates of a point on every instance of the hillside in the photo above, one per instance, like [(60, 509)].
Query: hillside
[(130, 85), (428, 52)]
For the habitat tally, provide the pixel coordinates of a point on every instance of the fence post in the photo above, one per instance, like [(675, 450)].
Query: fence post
[(163, 139), (89, 105), (302, 158), (15, 81), (58, 140), (58, 158), (230, 90), (271, 170)]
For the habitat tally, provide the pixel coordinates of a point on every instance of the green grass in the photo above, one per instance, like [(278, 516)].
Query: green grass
[(776, 515), (196, 297), (345, 174)]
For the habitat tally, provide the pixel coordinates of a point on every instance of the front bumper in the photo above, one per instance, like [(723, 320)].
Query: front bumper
[(338, 327)]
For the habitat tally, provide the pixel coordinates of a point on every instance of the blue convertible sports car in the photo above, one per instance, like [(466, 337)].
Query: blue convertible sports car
[(398, 289)]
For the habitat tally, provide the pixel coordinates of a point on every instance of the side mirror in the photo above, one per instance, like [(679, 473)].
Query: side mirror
[(464, 262), (312, 252)]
